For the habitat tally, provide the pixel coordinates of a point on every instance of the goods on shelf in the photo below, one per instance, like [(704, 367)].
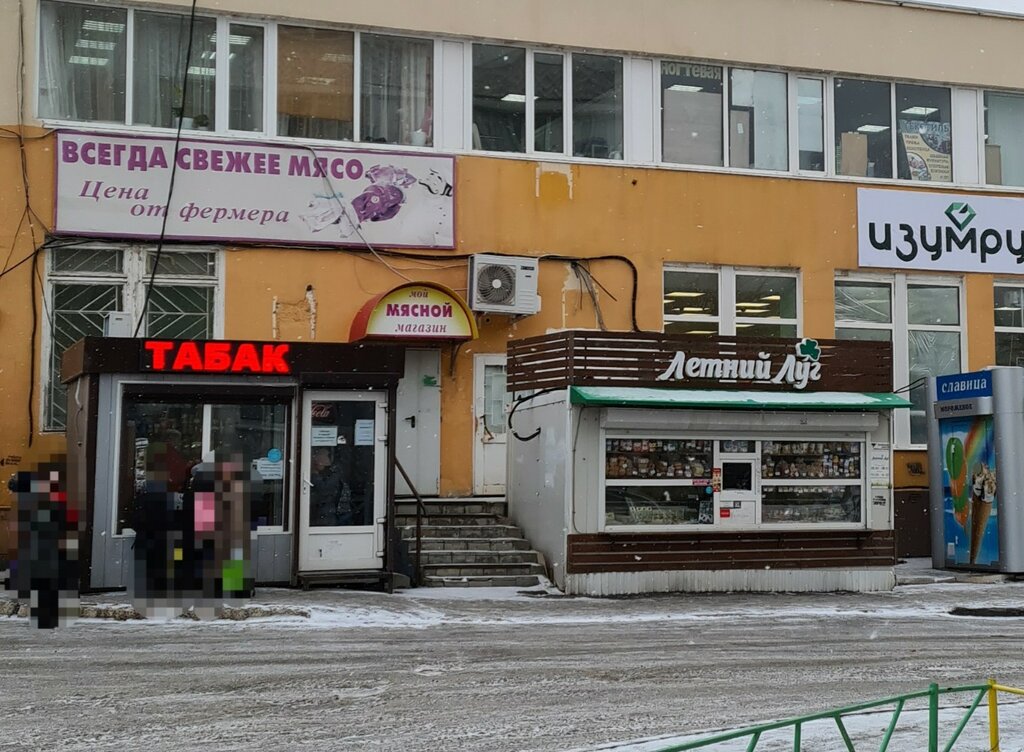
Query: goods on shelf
[(810, 504), (658, 458), (818, 459)]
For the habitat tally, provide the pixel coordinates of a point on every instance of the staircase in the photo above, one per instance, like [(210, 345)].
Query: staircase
[(469, 543)]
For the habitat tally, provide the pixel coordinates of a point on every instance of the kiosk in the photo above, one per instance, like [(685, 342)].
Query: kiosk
[(305, 418), (649, 462), (975, 432)]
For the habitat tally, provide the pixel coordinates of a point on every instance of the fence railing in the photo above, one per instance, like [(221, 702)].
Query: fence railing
[(978, 693)]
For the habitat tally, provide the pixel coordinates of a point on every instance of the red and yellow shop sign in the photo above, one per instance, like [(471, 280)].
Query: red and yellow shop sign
[(417, 310)]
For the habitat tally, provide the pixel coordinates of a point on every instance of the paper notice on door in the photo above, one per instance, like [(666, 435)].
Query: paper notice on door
[(364, 433), (878, 469), (323, 436), (270, 470)]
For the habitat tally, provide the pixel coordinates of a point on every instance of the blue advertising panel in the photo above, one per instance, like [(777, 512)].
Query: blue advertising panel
[(961, 386)]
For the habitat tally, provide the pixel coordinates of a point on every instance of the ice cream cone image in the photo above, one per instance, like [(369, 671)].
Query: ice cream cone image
[(983, 491)]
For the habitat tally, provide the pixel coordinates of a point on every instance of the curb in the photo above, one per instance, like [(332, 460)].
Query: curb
[(13, 608)]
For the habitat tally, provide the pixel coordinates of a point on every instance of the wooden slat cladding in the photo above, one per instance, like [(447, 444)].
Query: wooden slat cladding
[(639, 552), (587, 358)]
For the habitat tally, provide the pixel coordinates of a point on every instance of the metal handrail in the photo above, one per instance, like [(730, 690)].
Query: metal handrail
[(421, 510), (989, 689)]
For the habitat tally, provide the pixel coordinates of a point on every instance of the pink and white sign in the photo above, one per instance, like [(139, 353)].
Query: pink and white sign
[(116, 186)]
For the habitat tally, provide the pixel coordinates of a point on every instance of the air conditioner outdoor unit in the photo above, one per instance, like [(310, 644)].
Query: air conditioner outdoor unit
[(503, 284)]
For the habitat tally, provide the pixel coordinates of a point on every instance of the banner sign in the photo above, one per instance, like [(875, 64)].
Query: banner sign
[(940, 232), (244, 191), (970, 507), (176, 356)]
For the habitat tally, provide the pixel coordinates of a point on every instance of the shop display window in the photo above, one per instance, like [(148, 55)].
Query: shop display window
[(682, 469), (164, 440), (683, 481)]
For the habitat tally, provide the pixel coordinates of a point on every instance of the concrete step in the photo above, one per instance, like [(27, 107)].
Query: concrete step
[(521, 581), (476, 544), (463, 531), (482, 570), (445, 507), (459, 519), (458, 558)]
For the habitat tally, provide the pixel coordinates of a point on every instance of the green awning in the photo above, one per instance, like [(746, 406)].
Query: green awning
[(618, 396)]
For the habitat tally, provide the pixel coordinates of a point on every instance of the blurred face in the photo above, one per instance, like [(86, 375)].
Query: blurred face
[(321, 459)]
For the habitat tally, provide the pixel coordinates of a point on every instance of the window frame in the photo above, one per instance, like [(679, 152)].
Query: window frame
[(900, 328), (727, 317), (219, 128), (529, 114), (133, 280), (1003, 329)]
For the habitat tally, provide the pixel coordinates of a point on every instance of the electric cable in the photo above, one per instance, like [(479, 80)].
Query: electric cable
[(521, 400), (174, 171)]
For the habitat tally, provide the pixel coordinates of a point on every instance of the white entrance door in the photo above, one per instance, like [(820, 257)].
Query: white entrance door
[(418, 430), (344, 481), (490, 412)]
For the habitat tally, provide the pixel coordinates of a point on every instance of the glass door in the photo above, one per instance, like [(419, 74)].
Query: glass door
[(344, 481)]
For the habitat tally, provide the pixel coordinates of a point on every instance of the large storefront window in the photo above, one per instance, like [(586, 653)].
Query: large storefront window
[(314, 83), (164, 440), (730, 301), (397, 90), (161, 42), (732, 482), (82, 73), (758, 118), (1009, 322), (1003, 144), (691, 113), (921, 319), (925, 133), (863, 128), (86, 284)]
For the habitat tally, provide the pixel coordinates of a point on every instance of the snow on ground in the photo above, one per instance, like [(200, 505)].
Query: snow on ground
[(866, 730)]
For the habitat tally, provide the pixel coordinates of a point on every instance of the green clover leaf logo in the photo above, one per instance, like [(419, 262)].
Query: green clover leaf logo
[(808, 349)]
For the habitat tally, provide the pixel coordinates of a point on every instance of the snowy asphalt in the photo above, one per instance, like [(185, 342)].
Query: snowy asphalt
[(462, 670)]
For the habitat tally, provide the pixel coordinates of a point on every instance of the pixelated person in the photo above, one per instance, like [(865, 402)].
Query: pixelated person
[(163, 530), (45, 570), (330, 495), (193, 549), (222, 494)]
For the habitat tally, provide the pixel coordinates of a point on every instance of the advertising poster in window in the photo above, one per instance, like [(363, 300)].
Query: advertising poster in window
[(245, 191), (929, 149), (969, 492)]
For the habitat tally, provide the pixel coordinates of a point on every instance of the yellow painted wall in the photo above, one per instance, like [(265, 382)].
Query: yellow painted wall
[(651, 216)]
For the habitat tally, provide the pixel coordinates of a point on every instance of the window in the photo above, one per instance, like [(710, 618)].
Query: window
[(161, 43), (1009, 322), (758, 120), (597, 106), (314, 83), (396, 81), (86, 283), (499, 98), (925, 131), (1004, 147), (921, 319), (82, 73), (691, 113), (863, 128), (548, 103), (810, 117), (245, 71), (731, 301), (520, 101)]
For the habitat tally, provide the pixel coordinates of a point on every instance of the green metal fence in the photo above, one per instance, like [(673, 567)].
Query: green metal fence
[(978, 693)]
